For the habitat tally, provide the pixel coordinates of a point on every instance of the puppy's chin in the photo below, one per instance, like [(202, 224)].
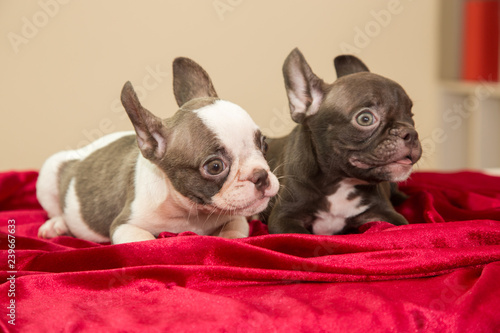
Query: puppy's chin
[(241, 197), (239, 208), (254, 208), (396, 171)]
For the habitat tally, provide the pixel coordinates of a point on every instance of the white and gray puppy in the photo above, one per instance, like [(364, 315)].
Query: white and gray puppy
[(202, 170)]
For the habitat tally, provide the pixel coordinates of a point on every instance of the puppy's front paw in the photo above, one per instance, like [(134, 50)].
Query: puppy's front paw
[(54, 227), (232, 234), (236, 228), (127, 233)]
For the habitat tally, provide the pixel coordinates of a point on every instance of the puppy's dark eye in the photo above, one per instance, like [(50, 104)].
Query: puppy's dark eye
[(214, 167), (365, 118), (263, 144)]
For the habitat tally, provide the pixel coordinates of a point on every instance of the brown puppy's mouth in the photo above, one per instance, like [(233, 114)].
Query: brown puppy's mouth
[(406, 160), (394, 170)]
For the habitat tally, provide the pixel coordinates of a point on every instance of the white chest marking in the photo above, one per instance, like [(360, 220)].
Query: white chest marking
[(341, 208), (151, 193), (158, 207)]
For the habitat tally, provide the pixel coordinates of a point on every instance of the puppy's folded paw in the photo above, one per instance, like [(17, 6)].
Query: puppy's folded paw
[(128, 233), (233, 234), (236, 228), (54, 227)]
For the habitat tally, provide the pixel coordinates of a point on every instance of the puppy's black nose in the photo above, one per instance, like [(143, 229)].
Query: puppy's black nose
[(407, 134), (260, 179)]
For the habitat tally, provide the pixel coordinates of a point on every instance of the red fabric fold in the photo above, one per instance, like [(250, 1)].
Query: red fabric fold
[(440, 273)]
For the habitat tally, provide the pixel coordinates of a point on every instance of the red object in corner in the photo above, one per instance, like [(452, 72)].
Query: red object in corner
[(480, 40)]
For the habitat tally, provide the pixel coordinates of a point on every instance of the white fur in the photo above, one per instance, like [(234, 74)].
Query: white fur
[(399, 172), (232, 125), (127, 233), (53, 227), (73, 217), (156, 200), (236, 130), (333, 221), (47, 189), (98, 144), (157, 206), (152, 205)]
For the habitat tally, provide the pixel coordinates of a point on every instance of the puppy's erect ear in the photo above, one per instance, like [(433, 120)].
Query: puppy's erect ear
[(149, 128), (304, 89), (190, 81), (348, 64)]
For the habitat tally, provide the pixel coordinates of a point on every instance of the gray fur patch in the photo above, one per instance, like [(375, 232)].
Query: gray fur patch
[(190, 144), (104, 182), (66, 173)]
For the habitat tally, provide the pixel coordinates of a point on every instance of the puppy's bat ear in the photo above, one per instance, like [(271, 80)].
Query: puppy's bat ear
[(190, 81), (304, 89), (348, 64), (151, 133)]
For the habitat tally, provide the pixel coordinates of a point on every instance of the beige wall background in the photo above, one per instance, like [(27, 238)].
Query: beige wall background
[(63, 63)]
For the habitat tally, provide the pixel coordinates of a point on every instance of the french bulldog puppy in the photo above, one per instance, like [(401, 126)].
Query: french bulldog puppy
[(353, 138), (202, 170)]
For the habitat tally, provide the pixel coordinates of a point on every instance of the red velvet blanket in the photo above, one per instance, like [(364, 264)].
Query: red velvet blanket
[(441, 273)]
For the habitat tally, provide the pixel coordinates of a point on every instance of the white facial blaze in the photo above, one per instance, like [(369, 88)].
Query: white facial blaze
[(232, 125), (236, 130)]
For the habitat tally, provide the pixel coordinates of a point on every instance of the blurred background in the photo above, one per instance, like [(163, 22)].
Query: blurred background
[(63, 64)]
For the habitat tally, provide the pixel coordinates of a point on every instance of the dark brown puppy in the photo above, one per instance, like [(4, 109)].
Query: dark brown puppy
[(353, 138)]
